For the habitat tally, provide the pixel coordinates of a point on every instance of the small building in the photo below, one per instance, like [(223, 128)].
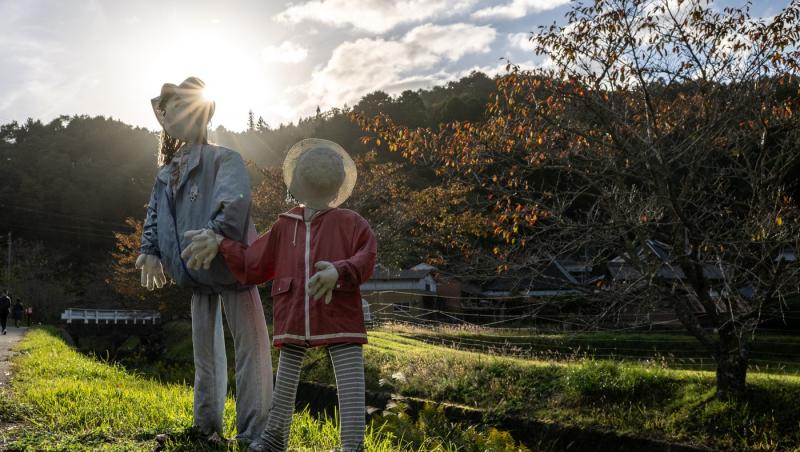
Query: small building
[(530, 295), (657, 259), (554, 279), (421, 293)]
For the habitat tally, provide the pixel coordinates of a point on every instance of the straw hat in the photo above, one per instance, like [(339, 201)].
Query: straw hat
[(191, 88), (319, 173)]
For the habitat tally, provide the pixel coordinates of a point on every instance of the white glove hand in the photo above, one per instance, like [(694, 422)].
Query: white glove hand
[(323, 282), (152, 271), (202, 250)]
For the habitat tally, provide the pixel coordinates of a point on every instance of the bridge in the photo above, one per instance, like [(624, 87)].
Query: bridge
[(110, 316)]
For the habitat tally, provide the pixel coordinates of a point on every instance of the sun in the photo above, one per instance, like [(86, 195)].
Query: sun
[(210, 93), (235, 81)]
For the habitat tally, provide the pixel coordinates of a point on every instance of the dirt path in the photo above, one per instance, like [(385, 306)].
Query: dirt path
[(8, 421), (7, 342)]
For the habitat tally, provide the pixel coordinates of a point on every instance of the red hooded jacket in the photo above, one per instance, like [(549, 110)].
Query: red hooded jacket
[(287, 254)]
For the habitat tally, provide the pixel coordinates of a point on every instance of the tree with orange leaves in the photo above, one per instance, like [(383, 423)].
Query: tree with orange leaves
[(125, 279), (650, 121)]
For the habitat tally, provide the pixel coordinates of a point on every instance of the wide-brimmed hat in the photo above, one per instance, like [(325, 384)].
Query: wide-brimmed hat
[(191, 88), (319, 173)]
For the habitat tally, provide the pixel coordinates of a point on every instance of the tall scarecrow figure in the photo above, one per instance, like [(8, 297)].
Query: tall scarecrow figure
[(203, 186), (317, 256)]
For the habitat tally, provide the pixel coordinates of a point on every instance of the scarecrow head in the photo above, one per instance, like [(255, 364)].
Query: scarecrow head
[(319, 173), (184, 113)]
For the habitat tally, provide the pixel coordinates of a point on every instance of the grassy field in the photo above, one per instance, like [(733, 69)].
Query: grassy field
[(771, 353), (63, 400), (643, 400), (645, 397)]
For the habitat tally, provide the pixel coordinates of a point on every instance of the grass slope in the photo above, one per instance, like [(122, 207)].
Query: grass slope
[(63, 400), (632, 398), (643, 398), (772, 353)]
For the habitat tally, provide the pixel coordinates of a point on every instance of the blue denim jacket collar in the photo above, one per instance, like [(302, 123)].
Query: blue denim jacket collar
[(194, 160)]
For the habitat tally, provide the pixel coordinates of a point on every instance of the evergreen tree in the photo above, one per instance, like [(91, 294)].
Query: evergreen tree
[(262, 125), (251, 123)]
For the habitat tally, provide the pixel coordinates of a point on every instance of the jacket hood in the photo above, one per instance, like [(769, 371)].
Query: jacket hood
[(296, 213)]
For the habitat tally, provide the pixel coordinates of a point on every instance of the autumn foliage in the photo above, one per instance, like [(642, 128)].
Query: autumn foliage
[(658, 120)]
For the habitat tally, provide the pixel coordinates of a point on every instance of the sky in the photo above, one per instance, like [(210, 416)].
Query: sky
[(279, 59)]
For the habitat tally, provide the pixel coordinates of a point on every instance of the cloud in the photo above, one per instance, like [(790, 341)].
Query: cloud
[(521, 41), (517, 9), (286, 52), (492, 70), (29, 73), (365, 65), (375, 16)]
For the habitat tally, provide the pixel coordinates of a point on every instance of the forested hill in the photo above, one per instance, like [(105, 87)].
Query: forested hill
[(74, 180)]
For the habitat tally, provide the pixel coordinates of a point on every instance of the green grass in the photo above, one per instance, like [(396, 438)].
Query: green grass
[(63, 400), (644, 397), (644, 400), (768, 352)]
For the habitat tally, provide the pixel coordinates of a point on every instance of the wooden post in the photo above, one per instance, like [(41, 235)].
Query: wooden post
[(8, 271)]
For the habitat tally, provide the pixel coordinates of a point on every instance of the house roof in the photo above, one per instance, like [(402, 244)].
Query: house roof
[(787, 254), (658, 254), (552, 277)]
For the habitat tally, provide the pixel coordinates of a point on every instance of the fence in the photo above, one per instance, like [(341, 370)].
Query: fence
[(110, 316), (527, 317), (566, 337)]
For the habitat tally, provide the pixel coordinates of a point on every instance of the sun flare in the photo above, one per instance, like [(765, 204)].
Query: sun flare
[(236, 81)]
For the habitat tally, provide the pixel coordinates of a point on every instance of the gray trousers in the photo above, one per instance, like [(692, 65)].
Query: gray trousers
[(251, 343)]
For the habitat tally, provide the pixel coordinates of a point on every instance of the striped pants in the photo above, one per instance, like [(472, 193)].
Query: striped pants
[(348, 366)]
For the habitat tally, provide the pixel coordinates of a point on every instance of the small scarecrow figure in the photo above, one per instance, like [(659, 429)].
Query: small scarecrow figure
[(198, 186), (317, 256)]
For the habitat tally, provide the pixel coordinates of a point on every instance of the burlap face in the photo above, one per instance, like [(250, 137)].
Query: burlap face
[(319, 173), (194, 114)]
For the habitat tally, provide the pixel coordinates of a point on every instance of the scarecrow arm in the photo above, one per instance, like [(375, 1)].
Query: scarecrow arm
[(360, 266), (254, 264), (152, 272), (231, 198), (202, 250), (150, 232), (322, 283)]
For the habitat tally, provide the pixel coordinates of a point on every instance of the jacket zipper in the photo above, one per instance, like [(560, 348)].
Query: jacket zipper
[(307, 258)]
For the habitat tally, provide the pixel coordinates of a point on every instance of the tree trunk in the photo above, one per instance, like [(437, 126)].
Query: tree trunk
[(731, 367)]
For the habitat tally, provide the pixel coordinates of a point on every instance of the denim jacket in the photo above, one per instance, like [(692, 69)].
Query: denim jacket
[(213, 192)]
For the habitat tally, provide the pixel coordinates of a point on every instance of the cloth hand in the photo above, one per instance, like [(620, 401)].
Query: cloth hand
[(323, 282), (152, 271), (202, 250)]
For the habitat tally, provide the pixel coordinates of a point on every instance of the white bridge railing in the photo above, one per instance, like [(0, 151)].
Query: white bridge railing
[(109, 316)]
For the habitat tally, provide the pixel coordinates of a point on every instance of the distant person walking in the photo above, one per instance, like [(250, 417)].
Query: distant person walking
[(16, 312), (29, 314), (5, 306)]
